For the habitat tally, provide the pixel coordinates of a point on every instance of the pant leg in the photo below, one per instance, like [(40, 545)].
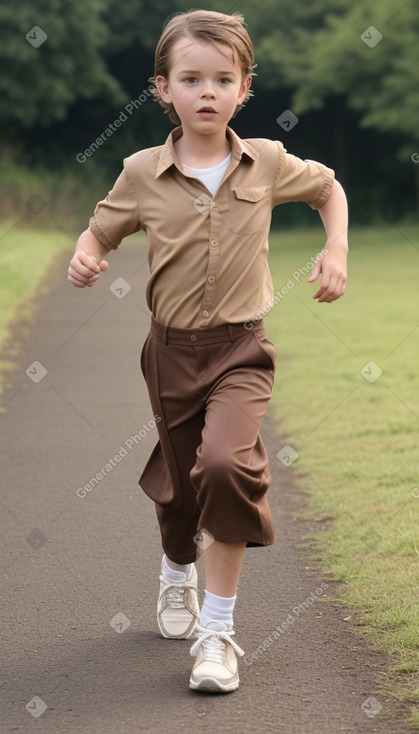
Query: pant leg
[(170, 373), (231, 474)]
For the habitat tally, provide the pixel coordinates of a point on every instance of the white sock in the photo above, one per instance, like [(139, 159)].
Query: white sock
[(181, 573), (217, 609)]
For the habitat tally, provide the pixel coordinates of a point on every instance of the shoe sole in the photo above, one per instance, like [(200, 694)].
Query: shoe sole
[(212, 685)]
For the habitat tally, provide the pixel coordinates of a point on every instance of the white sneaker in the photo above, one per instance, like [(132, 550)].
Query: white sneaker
[(177, 607), (215, 669)]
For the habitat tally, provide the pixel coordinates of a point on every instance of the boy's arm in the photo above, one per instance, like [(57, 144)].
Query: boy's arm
[(332, 264), (87, 262)]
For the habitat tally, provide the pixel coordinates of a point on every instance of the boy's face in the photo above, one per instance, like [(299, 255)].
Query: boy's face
[(203, 77)]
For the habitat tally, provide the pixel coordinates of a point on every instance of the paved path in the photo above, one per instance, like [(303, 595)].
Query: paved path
[(79, 575)]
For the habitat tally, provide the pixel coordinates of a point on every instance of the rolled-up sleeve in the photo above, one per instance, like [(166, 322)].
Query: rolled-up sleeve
[(301, 180), (116, 216)]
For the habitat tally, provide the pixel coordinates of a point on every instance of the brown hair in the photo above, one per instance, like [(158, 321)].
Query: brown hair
[(209, 26)]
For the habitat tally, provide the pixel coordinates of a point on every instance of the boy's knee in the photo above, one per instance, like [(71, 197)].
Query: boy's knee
[(214, 467)]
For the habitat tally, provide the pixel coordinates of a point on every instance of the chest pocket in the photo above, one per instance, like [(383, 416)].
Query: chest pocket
[(250, 208)]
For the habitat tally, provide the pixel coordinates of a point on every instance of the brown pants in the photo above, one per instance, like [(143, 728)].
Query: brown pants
[(209, 470)]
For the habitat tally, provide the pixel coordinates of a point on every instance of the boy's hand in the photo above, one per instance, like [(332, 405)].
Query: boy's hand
[(332, 267), (84, 269)]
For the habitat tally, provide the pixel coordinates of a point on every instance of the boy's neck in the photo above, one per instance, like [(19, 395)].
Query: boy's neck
[(202, 151)]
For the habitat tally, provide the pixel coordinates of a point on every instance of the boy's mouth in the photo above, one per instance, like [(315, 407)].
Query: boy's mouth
[(207, 112)]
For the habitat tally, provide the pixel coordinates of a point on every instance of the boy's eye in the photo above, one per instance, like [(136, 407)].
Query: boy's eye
[(192, 79)]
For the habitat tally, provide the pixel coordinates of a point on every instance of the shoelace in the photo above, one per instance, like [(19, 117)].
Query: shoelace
[(214, 650), (214, 643), (175, 598), (175, 592)]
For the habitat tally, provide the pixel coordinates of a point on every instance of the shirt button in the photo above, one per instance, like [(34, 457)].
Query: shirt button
[(214, 243), (205, 313), (214, 203), (193, 337), (211, 279)]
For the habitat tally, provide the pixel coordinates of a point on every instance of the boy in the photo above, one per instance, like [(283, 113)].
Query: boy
[(204, 199)]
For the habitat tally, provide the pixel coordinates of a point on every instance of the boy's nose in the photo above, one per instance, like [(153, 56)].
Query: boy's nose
[(208, 90)]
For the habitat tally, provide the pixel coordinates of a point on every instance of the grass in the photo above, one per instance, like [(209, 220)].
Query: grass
[(41, 198), (25, 255), (414, 718), (357, 440)]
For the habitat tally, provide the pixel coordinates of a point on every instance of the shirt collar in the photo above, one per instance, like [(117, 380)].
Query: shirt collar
[(169, 158)]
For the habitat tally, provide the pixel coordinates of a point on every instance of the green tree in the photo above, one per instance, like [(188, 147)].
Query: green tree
[(371, 55), (41, 77), (367, 54)]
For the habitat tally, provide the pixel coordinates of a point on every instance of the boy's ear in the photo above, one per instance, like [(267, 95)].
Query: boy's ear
[(244, 89), (163, 86)]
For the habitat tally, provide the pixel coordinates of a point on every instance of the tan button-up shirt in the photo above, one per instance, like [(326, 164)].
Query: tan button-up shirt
[(208, 255)]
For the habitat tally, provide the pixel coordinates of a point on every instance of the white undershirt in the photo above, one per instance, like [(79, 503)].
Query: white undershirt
[(211, 177)]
